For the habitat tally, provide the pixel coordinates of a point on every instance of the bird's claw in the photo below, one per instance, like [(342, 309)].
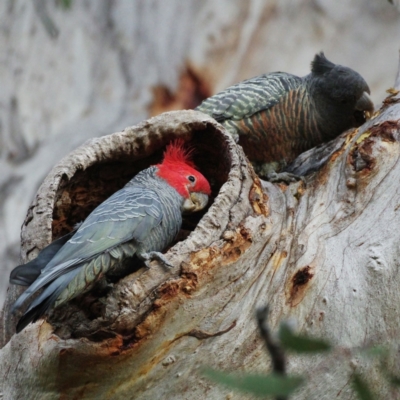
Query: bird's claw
[(286, 177), (268, 172), (147, 258), (166, 264)]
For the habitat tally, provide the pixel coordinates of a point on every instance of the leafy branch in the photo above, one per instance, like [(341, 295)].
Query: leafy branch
[(281, 385)]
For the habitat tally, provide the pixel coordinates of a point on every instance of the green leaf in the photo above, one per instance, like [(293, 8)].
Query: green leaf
[(66, 4), (394, 380), (391, 378), (301, 343), (259, 385), (361, 388)]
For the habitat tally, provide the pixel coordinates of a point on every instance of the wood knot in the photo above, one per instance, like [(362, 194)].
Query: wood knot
[(302, 277), (299, 285)]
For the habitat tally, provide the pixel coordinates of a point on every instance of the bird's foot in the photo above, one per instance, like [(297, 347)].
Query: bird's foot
[(267, 171), (147, 258), (285, 177)]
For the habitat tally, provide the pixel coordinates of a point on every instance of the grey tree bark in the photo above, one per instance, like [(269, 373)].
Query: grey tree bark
[(325, 253), (100, 66)]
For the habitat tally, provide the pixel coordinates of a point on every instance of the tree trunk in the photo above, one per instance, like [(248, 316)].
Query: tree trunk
[(70, 74), (324, 253)]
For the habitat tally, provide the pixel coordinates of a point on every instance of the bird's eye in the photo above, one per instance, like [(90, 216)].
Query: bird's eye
[(191, 178)]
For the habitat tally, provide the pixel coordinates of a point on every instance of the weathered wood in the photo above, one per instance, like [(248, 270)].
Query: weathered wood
[(109, 68), (324, 253), (134, 309)]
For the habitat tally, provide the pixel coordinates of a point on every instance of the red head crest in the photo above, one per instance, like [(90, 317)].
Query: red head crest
[(179, 171), (176, 153)]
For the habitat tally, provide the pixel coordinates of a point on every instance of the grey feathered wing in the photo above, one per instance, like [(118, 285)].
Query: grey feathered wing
[(250, 96), (130, 213)]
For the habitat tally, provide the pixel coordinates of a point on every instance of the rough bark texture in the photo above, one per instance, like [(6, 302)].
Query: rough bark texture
[(106, 64), (325, 253)]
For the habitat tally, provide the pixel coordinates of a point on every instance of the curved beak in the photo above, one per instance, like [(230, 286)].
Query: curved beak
[(365, 105), (196, 202)]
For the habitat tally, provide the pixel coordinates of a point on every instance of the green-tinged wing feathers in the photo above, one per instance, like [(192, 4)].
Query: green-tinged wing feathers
[(130, 213)]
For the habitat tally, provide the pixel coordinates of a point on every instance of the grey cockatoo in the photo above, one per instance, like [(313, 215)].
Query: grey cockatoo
[(141, 219), (277, 116)]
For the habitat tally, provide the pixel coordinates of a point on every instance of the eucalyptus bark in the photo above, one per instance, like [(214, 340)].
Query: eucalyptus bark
[(323, 252), (72, 73)]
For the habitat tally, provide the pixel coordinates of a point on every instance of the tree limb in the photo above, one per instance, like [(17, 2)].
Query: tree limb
[(324, 253)]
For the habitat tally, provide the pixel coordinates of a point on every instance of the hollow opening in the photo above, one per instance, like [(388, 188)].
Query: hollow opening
[(77, 197)]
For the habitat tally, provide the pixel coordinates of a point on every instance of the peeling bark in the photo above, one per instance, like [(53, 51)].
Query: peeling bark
[(324, 252)]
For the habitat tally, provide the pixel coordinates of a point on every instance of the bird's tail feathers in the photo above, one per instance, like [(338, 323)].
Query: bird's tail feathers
[(26, 274), (41, 304), (60, 271), (34, 314)]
